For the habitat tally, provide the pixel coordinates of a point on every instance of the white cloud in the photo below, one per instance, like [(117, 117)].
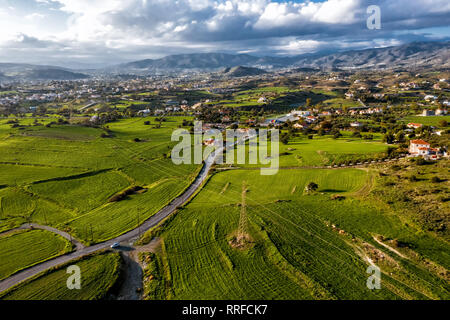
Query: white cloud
[(34, 16), (129, 29), (300, 46)]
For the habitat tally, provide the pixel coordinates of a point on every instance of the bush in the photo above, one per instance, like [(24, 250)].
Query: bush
[(122, 195), (147, 123), (443, 123), (337, 135), (435, 179), (421, 161), (312, 186)]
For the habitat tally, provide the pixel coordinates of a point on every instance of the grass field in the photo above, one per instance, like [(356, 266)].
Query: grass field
[(99, 273), (243, 236), (323, 151), (23, 249), (64, 175), (283, 243), (428, 121)]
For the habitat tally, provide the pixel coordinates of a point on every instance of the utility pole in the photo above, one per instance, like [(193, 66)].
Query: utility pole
[(70, 236), (139, 224)]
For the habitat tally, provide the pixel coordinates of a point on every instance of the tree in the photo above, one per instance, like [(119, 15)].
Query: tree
[(435, 179), (388, 138), (443, 123), (400, 136), (308, 102), (312, 186), (284, 138), (337, 134)]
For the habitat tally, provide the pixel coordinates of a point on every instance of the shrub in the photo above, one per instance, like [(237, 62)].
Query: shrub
[(435, 179), (337, 135), (122, 195), (421, 161), (312, 186), (443, 123)]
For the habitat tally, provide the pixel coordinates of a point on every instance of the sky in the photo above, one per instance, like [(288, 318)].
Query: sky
[(91, 33)]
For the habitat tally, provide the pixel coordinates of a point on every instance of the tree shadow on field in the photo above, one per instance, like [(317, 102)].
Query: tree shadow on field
[(331, 190)]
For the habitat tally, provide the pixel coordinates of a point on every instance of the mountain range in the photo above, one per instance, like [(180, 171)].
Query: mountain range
[(420, 54), (28, 72), (416, 54)]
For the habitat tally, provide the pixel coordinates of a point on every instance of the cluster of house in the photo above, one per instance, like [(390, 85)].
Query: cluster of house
[(437, 112), (409, 85), (12, 100), (421, 148), (365, 110)]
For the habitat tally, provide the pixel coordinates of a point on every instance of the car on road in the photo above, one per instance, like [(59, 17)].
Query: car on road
[(115, 245)]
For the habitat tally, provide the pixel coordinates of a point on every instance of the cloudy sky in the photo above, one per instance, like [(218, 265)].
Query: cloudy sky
[(99, 32)]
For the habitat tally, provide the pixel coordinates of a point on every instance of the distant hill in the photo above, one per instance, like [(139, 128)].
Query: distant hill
[(420, 54), (16, 71), (416, 54), (241, 71), (200, 61)]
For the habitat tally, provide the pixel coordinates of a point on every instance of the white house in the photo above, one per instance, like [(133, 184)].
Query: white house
[(422, 148), (429, 97), (441, 112), (145, 112), (262, 100), (299, 113)]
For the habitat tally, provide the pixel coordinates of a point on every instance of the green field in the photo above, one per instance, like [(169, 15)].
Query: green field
[(293, 246), (323, 151), (428, 121), (99, 273), (23, 249), (64, 175), (243, 236)]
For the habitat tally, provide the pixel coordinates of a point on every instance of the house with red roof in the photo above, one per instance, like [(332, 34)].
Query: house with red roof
[(414, 125), (418, 147), (421, 148)]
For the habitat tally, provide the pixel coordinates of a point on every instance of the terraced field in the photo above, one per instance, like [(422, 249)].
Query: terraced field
[(243, 236), (22, 249), (322, 151), (99, 273), (65, 175), (428, 121), (246, 236)]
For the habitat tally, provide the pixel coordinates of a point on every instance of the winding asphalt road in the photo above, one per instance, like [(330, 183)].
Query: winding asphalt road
[(126, 237)]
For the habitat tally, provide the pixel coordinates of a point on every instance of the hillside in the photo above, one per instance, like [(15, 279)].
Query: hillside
[(16, 71), (420, 54), (241, 71)]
